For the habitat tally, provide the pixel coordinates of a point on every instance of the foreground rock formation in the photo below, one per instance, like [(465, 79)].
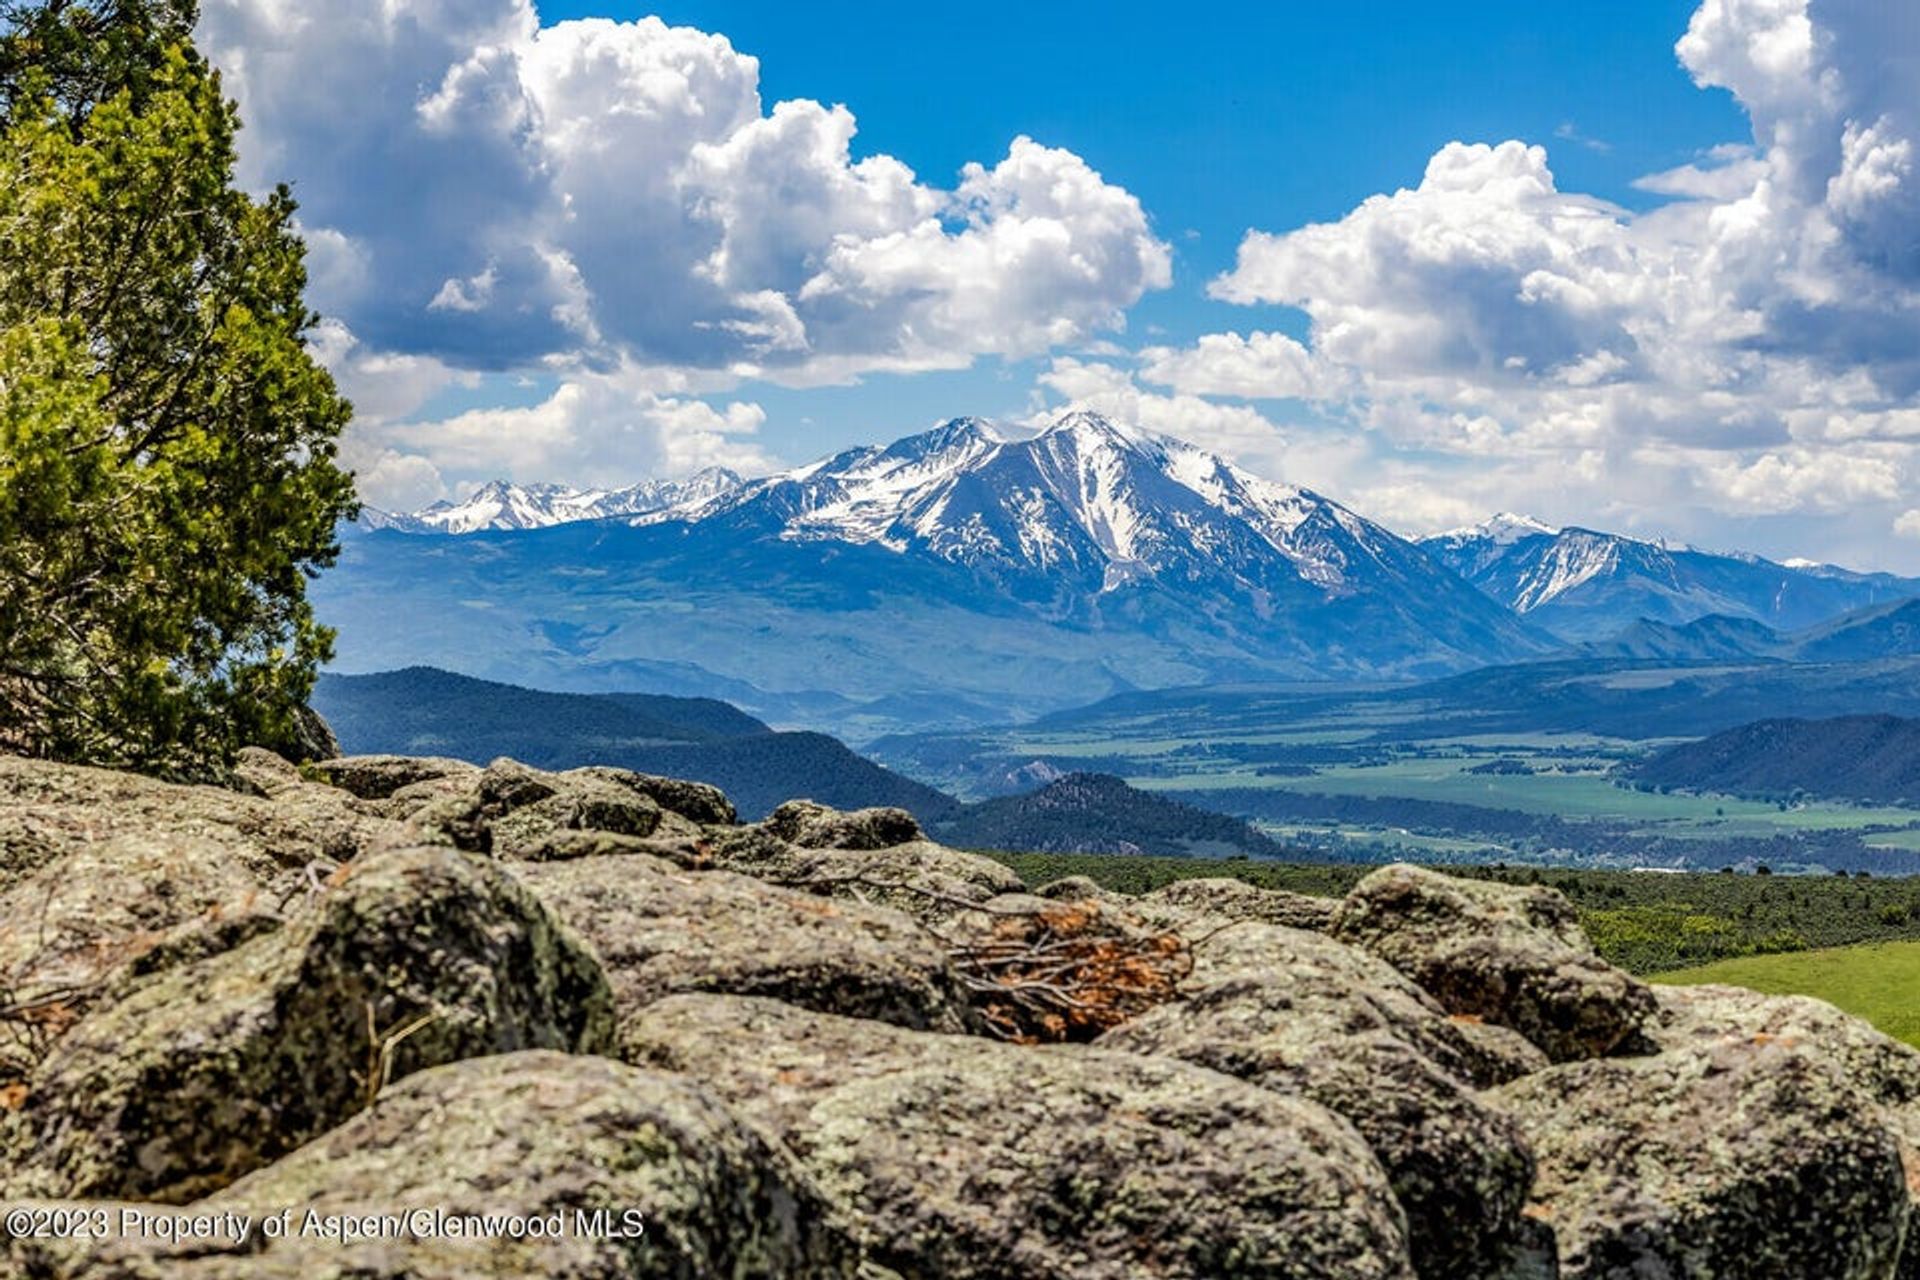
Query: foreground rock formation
[(445, 1002)]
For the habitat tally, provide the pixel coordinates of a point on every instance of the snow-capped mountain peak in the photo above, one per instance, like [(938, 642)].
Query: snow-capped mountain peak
[(1503, 529), (502, 504), (1107, 503)]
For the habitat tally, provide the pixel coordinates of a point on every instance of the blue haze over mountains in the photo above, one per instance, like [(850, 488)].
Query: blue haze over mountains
[(972, 575)]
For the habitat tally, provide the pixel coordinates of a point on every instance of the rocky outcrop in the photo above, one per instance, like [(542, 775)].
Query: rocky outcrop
[(1235, 900), (660, 931), (1510, 955), (1730, 1157), (100, 868), (963, 1158), (815, 826), (379, 983), (640, 1173), (926, 880), (1299, 1014), (411, 959), (384, 777)]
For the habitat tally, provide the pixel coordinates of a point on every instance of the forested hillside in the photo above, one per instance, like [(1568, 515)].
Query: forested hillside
[(1873, 758)]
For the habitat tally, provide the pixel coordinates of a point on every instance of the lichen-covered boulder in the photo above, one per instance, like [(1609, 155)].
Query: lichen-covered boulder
[(659, 931), (964, 1158), (577, 804), (815, 826), (698, 802), (1886, 1071), (1730, 1157), (568, 845), (52, 812), (1306, 1017), (1511, 955), (417, 957), (1079, 889), (928, 881), (575, 1141), (512, 810), (377, 777), (1235, 900), (1494, 1054), (98, 867)]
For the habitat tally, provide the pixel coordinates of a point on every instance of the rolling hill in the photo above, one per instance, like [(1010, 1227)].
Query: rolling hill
[(1890, 630), (1870, 757), (424, 711), (1095, 813)]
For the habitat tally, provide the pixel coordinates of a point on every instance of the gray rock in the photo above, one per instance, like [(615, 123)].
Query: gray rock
[(312, 737), (99, 867), (419, 957), (1237, 900), (380, 777), (534, 1135), (1514, 956), (697, 802), (512, 810), (1494, 1054), (1731, 1157), (1079, 889), (927, 881), (1884, 1070), (568, 845), (1306, 1017), (815, 826), (963, 1158), (659, 931), (259, 772), (578, 804)]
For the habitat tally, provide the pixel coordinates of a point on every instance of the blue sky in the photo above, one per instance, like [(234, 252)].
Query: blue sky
[(1271, 115), (585, 244)]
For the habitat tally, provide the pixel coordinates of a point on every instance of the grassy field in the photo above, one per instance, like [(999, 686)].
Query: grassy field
[(1643, 922), (1879, 981), (1587, 794)]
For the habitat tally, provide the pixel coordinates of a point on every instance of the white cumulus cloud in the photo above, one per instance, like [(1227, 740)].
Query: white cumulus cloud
[(492, 193), (1749, 347)]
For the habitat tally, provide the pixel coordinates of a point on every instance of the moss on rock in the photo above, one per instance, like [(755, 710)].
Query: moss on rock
[(532, 1135), (419, 957), (967, 1159), (659, 931), (1735, 1157), (1511, 955)]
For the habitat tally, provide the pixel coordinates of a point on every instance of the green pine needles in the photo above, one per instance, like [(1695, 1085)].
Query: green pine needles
[(167, 441)]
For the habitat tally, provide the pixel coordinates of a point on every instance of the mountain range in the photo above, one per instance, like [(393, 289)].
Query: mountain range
[(1581, 585), (1890, 630), (964, 575), (973, 575), (502, 505)]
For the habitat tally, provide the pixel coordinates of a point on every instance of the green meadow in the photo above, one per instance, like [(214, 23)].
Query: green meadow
[(1878, 981)]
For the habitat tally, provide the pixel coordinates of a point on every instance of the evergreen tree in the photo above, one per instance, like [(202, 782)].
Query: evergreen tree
[(167, 441)]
